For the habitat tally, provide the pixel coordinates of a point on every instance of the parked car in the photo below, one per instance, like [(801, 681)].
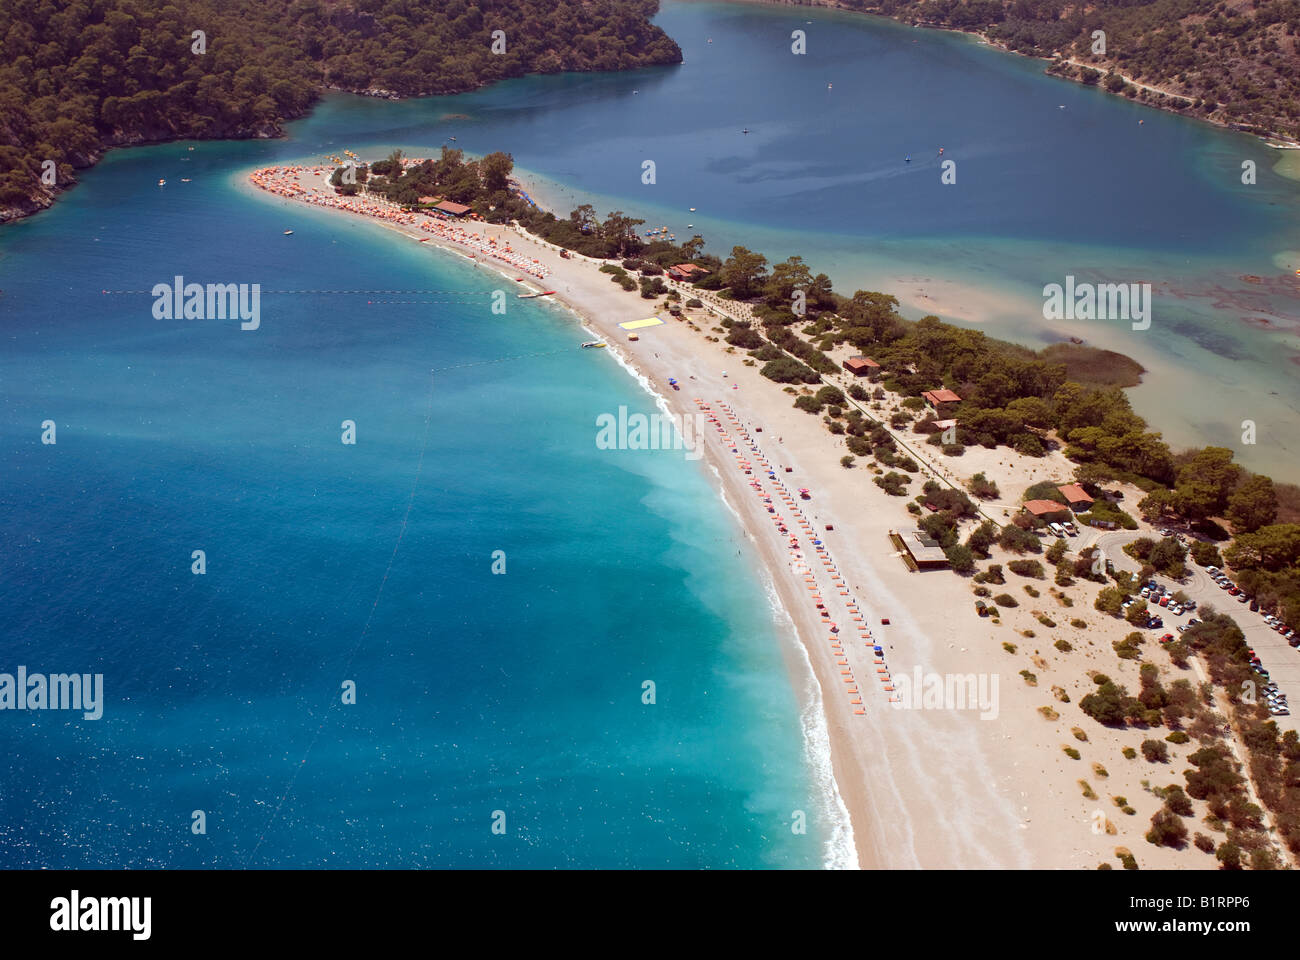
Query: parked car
[(1144, 593), (1211, 569), (1176, 609), (1254, 605), (1166, 638)]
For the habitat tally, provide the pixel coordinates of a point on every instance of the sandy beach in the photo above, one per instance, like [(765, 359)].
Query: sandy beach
[(924, 788)]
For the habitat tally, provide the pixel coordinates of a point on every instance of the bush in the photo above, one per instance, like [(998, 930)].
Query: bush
[(1206, 554), (1006, 600), (1129, 753), (1177, 801), (1229, 854), (1016, 540), (1155, 751), (1063, 645), (743, 336), (1167, 829), (1027, 568), (789, 370), (983, 487), (1107, 704), (983, 537), (961, 558), (894, 484), (1129, 647), (831, 395)]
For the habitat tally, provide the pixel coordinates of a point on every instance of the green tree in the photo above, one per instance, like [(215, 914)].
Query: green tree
[(495, 169), (1253, 504), (1110, 600), (1205, 482), (744, 272)]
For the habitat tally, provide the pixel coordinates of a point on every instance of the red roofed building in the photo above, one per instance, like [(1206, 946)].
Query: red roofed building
[(862, 367), (454, 209), (1076, 497), (1045, 508), (686, 271), (941, 401)]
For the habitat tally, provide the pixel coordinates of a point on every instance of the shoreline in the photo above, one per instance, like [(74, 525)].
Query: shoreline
[(954, 788), (1276, 141), (847, 778)]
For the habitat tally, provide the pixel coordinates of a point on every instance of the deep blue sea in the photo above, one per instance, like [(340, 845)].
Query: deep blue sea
[(372, 563), (476, 692)]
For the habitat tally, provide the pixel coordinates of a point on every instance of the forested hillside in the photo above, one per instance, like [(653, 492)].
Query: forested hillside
[(78, 77), (1237, 60)]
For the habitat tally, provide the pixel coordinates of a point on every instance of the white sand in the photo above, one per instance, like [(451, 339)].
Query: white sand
[(924, 788)]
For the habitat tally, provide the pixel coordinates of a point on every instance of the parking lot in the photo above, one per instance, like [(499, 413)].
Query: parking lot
[(1277, 656)]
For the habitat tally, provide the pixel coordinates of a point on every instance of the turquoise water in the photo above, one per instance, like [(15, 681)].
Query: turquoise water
[(1041, 192), (372, 563), (476, 692)]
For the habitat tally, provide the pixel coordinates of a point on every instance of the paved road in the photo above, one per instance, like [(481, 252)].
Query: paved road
[(1278, 657)]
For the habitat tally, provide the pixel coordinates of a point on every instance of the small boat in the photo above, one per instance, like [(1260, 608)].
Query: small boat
[(941, 151), (288, 233), (593, 343), (692, 209), (830, 86), (907, 159), (162, 182), (746, 130), (185, 179), (530, 296)]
